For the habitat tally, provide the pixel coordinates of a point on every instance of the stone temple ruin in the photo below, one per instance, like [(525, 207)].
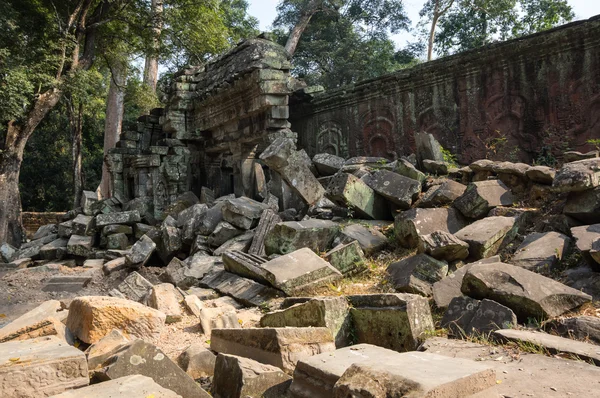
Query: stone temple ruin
[(302, 244)]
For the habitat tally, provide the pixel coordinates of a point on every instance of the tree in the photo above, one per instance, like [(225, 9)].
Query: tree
[(151, 68), (469, 24), (436, 9)]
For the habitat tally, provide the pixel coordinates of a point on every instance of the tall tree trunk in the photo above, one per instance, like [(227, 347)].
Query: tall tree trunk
[(437, 14), (114, 120), (76, 121), (11, 157), (151, 67), (294, 38)]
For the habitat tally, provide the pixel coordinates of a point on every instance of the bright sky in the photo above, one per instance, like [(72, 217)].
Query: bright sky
[(264, 10)]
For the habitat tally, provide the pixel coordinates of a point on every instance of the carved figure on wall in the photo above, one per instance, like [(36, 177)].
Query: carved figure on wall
[(442, 123), (331, 139), (378, 134)]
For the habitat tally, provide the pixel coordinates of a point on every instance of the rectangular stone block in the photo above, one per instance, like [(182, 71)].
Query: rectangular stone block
[(287, 237), (350, 191), (40, 367), (135, 386), (40, 321), (246, 291)]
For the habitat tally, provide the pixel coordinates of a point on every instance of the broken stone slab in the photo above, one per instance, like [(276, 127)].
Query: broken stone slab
[(427, 147), (411, 224), (55, 250), (416, 274), (135, 287), (435, 167), (171, 239), (176, 274), (145, 359), (466, 316), (352, 192), (84, 225), (541, 251), (223, 316), (44, 320), (243, 213), (442, 245), (93, 317), (554, 344), (528, 294), (281, 347), (189, 221), (584, 206), (197, 361), (328, 164), (100, 351), (165, 298), (7, 252), (42, 366), (240, 243), (81, 246), (246, 265), (117, 241), (45, 230), (396, 188), (580, 327), (199, 265), (124, 217), (416, 374), (203, 294), (242, 377), (208, 221), (349, 259), (487, 236), (287, 237), (246, 291), (140, 252), (442, 195), (370, 239), (88, 198), (223, 232), (65, 229), (405, 168), (267, 222), (282, 157), (134, 386), (578, 176), (299, 270), (66, 283), (330, 312), (315, 377), (184, 201), (541, 174), (449, 287), (396, 321), (584, 237), (117, 229), (480, 197)]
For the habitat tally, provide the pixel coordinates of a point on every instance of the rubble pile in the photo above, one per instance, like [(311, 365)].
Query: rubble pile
[(474, 261)]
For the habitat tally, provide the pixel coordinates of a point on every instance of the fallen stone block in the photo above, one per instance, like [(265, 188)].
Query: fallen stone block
[(166, 298), (395, 321), (246, 291), (43, 366), (481, 197), (117, 229), (584, 206), (243, 213), (91, 318), (405, 168), (125, 217), (223, 232), (246, 265), (65, 229), (242, 377), (398, 189), (114, 265), (267, 222), (442, 195), (135, 287), (416, 274), (44, 320), (140, 252), (177, 274), (81, 246), (349, 259), (486, 237), (330, 312), (528, 294), (541, 251), (352, 192), (578, 176), (134, 386), (239, 243), (579, 327), (315, 377), (299, 270), (287, 237), (443, 246), (117, 241), (83, 225), (327, 164), (435, 167), (7, 252), (281, 347), (554, 344), (103, 349), (370, 239), (67, 283), (466, 316), (145, 359), (418, 374), (584, 237), (427, 147), (223, 316), (208, 221), (55, 250), (197, 361), (541, 174), (412, 224)]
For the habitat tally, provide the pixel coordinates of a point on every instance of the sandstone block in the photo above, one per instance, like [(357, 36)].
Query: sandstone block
[(486, 237), (481, 197), (135, 386), (286, 237), (412, 224), (350, 191), (396, 188)]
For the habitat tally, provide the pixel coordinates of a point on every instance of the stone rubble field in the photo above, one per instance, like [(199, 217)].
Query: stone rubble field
[(411, 278)]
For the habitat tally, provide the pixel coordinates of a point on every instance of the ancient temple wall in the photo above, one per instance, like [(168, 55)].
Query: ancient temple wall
[(517, 100)]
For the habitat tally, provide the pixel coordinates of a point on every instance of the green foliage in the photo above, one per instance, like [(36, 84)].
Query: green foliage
[(449, 157), (346, 41), (595, 142)]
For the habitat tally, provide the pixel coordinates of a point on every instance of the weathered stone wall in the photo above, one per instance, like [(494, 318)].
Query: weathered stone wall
[(32, 221), (520, 99)]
